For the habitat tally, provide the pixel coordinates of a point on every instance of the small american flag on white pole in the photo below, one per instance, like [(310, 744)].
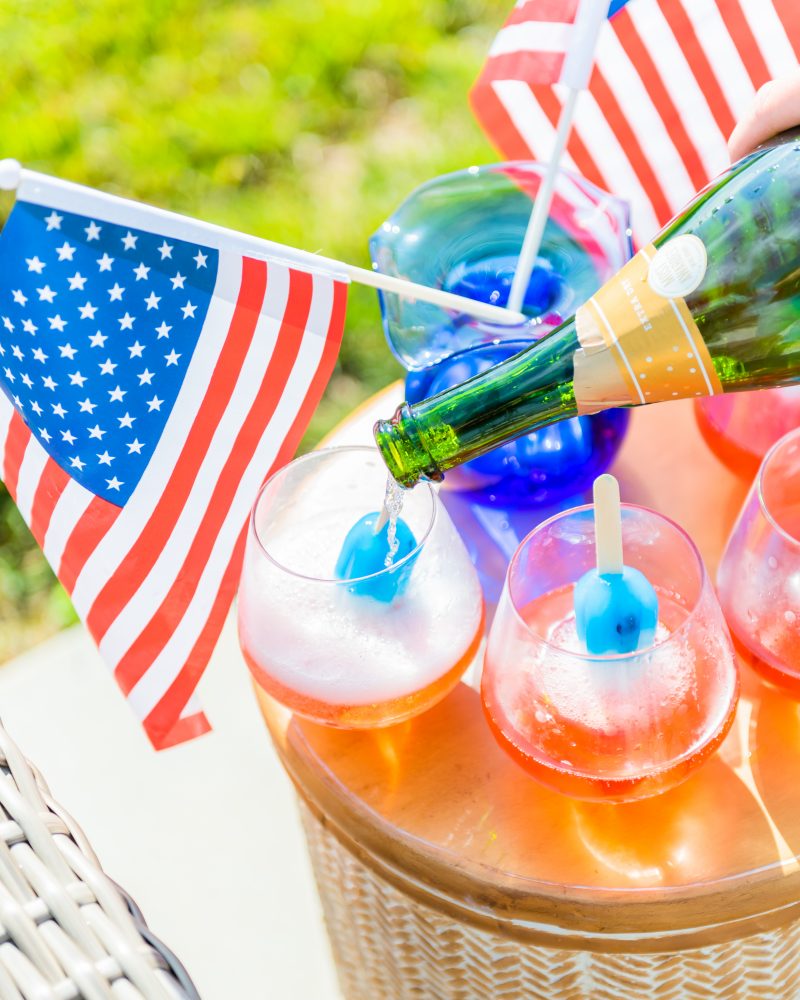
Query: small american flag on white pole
[(670, 80), (154, 371)]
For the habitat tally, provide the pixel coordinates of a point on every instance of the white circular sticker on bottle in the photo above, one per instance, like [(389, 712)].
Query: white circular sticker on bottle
[(678, 266)]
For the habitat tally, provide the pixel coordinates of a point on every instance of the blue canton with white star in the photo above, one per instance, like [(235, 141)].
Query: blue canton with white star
[(98, 324)]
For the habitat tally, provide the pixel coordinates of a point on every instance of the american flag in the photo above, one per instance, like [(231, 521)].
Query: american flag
[(152, 378), (670, 80)]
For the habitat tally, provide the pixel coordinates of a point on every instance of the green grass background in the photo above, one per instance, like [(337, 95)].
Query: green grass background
[(305, 121)]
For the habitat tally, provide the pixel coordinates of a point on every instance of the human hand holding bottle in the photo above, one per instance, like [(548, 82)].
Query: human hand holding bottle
[(775, 108)]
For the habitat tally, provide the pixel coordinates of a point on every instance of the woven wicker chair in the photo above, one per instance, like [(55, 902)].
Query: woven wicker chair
[(66, 930)]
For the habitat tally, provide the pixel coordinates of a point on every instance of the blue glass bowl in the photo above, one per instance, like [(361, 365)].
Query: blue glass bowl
[(463, 232), (538, 468)]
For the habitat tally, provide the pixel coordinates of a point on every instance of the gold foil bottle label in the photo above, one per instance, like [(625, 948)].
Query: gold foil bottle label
[(639, 345)]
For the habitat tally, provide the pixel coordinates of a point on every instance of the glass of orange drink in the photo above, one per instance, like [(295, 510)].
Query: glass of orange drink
[(367, 650), (611, 727), (741, 427), (759, 575)]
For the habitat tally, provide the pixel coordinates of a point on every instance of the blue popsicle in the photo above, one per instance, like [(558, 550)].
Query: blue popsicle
[(364, 553), (616, 607)]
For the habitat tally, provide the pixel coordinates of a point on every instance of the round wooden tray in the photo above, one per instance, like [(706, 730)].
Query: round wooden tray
[(439, 811)]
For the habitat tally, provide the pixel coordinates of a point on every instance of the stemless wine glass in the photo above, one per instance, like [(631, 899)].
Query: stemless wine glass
[(759, 575), (323, 646), (741, 427), (617, 727)]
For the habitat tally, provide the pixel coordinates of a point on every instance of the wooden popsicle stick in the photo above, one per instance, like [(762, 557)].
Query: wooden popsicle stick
[(607, 524), (382, 519)]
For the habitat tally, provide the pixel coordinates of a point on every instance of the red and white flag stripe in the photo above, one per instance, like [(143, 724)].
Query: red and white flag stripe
[(670, 80)]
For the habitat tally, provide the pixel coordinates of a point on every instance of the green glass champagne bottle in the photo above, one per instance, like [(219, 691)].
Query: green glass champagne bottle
[(712, 305)]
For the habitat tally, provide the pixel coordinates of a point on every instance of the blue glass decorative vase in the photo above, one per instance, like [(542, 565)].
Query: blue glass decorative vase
[(463, 232)]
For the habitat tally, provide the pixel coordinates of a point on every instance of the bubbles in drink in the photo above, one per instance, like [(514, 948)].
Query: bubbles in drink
[(324, 643), (597, 726), (327, 643), (620, 693)]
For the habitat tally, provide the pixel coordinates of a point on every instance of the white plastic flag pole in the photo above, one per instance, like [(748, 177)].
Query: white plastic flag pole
[(12, 175), (576, 72)]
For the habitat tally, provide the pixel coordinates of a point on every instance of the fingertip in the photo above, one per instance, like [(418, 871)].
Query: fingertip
[(743, 140), (775, 107)]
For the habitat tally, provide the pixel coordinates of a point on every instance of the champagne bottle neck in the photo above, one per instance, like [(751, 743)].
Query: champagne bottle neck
[(403, 448), (529, 390)]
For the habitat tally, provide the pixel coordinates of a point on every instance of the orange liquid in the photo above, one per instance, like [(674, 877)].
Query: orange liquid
[(593, 788), (777, 659), (739, 460), (368, 716), (777, 677), (586, 761)]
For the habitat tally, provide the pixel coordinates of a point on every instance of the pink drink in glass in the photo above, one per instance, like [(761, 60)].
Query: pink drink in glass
[(759, 574), (342, 658), (611, 728), (741, 427)]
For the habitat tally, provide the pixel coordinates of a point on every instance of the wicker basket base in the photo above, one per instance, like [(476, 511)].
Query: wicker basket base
[(387, 946)]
